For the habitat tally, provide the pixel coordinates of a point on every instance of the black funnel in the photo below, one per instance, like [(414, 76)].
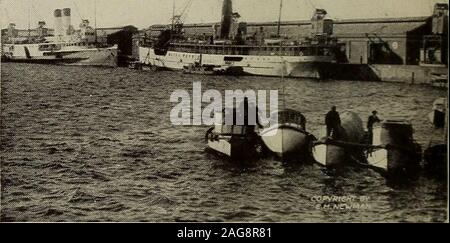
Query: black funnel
[(227, 19)]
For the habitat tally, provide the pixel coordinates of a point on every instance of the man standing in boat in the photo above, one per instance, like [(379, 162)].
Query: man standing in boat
[(371, 121), (333, 121), (249, 114)]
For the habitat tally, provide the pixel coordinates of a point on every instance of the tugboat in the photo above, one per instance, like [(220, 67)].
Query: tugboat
[(233, 50)]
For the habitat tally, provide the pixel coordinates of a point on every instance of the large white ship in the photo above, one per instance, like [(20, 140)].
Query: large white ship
[(238, 53), (66, 47)]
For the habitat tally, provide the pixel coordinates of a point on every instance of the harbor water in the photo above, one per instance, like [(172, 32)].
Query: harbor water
[(94, 144)]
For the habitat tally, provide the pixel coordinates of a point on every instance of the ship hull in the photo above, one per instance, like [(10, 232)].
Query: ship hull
[(274, 66), (104, 57)]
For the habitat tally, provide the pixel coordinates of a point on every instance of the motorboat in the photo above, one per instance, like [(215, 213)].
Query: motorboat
[(437, 116), (344, 145), (393, 147), (287, 137)]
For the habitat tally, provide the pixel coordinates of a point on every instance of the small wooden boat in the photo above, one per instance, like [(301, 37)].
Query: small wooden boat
[(234, 142), (197, 69), (394, 149), (344, 146), (436, 156), (135, 65), (437, 116), (436, 160), (287, 137), (439, 80)]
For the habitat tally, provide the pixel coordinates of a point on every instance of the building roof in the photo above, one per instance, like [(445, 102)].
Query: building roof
[(385, 29), (307, 22), (348, 21), (342, 28)]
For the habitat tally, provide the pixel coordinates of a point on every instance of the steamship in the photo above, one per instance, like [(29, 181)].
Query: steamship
[(231, 50), (66, 47)]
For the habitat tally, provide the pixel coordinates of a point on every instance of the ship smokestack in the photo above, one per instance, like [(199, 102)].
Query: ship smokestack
[(58, 23), (66, 21), (227, 19)]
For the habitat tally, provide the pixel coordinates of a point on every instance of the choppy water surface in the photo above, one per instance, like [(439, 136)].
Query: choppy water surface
[(89, 144)]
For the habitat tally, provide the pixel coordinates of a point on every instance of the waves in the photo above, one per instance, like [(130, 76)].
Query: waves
[(84, 144)]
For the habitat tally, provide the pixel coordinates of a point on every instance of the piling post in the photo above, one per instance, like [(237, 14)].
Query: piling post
[(446, 121)]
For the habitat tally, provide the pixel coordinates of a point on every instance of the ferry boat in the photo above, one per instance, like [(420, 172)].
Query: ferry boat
[(242, 54), (66, 47), (64, 53)]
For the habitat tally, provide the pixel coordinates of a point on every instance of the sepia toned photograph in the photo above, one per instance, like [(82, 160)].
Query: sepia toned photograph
[(224, 111)]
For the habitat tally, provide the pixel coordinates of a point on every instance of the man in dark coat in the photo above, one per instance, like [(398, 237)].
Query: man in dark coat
[(333, 121), (371, 121)]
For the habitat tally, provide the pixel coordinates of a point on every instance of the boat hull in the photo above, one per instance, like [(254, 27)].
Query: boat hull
[(105, 57), (286, 142), (340, 150), (329, 155), (275, 66), (229, 147), (233, 146), (436, 160), (399, 153)]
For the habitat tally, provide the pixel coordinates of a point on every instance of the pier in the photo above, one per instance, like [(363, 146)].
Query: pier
[(412, 50)]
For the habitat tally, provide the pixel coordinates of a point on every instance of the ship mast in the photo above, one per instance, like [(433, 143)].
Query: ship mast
[(29, 23), (283, 66), (446, 120), (173, 19), (279, 18), (95, 21)]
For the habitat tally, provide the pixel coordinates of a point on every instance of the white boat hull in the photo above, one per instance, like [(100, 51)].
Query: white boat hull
[(221, 146), (79, 56), (285, 141), (288, 66), (379, 159), (334, 153), (329, 155), (396, 156), (232, 141)]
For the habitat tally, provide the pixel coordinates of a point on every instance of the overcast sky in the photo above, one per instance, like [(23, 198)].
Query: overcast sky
[(143, 13)]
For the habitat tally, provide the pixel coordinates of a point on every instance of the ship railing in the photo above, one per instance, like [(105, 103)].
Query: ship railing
[(269, 50), (175, 44)]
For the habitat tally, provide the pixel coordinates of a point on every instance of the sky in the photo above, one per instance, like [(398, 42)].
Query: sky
[(143, 13)]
